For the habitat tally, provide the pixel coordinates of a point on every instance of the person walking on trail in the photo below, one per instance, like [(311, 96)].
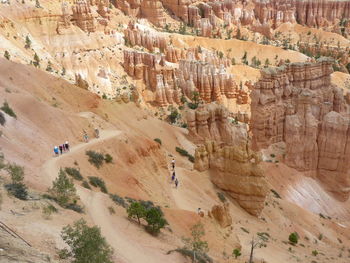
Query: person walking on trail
[(67, 145), (97, 133), (64, 147), (173, 177), (55, 150), (173, 163), (60, 148), (86, 137), (176, 183)]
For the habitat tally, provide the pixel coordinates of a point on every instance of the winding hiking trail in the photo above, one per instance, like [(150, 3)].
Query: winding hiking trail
[(50, 167), (131, 243)]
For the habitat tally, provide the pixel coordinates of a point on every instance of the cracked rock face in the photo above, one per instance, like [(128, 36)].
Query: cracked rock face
[(298, 105), (225, 152)]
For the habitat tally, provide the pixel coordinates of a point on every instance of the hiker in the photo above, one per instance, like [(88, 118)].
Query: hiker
[(86, 137), (176, 183), (55, 150), (60, 148), (173, 177), (64, 147), (173, 163), (67, 145), (200, 212), (97, 133)]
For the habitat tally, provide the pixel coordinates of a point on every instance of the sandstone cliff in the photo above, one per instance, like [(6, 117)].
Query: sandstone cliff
[(225, 151), (298, 105)]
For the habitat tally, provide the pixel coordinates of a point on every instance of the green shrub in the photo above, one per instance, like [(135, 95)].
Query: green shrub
[(118, 200), (192, 105), (155, 220), (98, 182), (136, 210), (49, 210), (181, 151), (75, 207), (74, 172), (18, 190), (293, 238), (158, 141), (174, 115), (191, 158), (86, 185), (8, 110), (7, 55), (95, 158), (86, 244), (2, 119), (314, 253), (200, 257), (63, 190), (221, 197), (108, 158), (16, 172), (236, 252), (320, 236)]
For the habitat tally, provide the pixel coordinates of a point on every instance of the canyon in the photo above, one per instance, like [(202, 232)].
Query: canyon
[(250, 98)]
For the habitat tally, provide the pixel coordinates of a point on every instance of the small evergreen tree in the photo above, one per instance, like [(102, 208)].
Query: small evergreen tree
[(63, 190), (267, 63), (136, 210), (86, 244), (7, 55), (37, 4), (236, 252), (36, 62), (63, 71), (293, 238), (195, 242), (28, 43), (49, 67), (244, 58), (155, 220), (16, 172)]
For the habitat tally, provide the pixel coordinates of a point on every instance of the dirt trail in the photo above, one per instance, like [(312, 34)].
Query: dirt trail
[(127, 240), (50, 167)]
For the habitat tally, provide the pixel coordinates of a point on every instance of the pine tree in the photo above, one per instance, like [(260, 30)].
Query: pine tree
[(28, 42), (49, 67), (7, 55), (36, 62)]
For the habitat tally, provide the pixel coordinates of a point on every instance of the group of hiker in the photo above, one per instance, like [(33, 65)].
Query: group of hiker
[(173, 177), (61, 148)]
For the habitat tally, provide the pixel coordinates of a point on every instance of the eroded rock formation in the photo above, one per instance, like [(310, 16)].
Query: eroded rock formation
[(225, 151), (203, 72), (83, 17), (221, 214), (298, 105), (260, 16)]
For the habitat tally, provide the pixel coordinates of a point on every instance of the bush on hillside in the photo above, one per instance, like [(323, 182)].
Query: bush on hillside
[(158, 141), (98, 182), (118, 200), (181, 151), (86, 244), (8, 110), (63, 190), (108, 158), (74, 172), (86, 185), (18, 190), (95, 158), (293, 238)]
